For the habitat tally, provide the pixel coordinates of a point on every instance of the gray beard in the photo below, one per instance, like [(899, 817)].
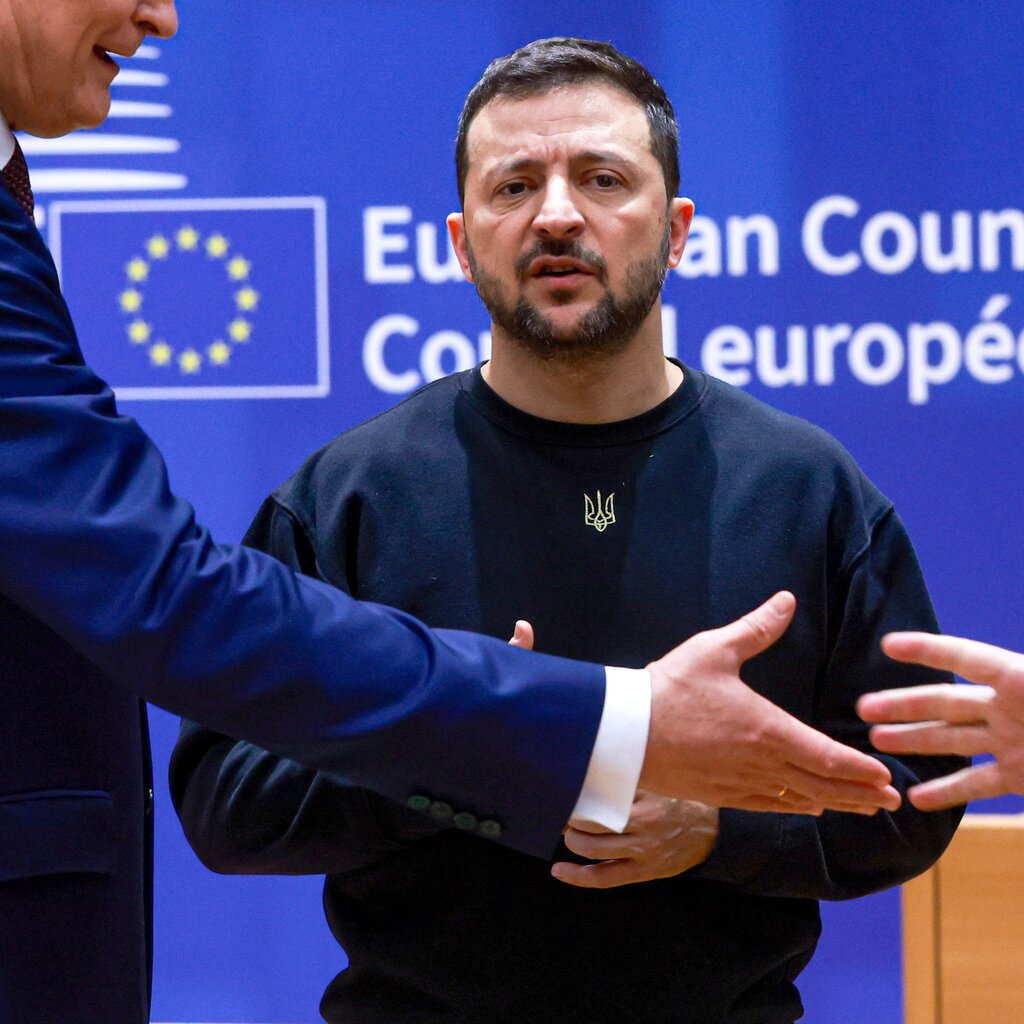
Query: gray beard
[(605, 330)]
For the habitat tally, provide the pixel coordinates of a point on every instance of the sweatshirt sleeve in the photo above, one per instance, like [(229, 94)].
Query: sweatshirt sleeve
[(841, 856)]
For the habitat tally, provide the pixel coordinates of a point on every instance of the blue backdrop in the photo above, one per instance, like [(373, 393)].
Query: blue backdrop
[(254, 250)]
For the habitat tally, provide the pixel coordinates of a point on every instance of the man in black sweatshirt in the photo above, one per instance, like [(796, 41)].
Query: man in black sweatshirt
[(615, 500)]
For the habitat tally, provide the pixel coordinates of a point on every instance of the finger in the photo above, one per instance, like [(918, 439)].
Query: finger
[(845, 797), (834, 794), (760, 804), (830, 762), (932, 738), (598, 847), (885, 798), (758, 630), (747, 799), (522, 635), (768, 805), (585, 825), (982, 663), (606, 875), (936, 702), (855, 809), (976, 783), (794, 803), (839, 794)]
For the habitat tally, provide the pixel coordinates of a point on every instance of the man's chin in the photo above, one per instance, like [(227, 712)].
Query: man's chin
[(95, 115), (90, 109), (565, 334), (572, 344), (565, 319), (50, 127), (561, 335)]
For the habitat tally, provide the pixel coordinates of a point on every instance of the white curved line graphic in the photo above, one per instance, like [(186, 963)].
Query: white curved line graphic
[(134, 108), (147, 78), (113, 180), (90, 143)]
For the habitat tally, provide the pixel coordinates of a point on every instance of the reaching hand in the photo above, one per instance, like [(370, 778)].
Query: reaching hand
[(716, 741), (947, 719), (664, 837)]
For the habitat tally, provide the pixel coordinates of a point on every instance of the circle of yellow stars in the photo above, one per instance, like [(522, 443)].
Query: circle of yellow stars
[(159, 249)]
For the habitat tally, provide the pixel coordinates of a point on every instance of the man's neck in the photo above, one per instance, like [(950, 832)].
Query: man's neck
[(602, 389)]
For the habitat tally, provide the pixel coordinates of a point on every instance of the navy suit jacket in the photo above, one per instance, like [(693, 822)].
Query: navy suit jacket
[(110, 591)]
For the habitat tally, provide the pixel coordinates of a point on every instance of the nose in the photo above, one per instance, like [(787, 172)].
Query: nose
[(558, 216), (157, 18)]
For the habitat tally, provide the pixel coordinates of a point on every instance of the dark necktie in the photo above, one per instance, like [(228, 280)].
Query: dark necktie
[(15, 176)]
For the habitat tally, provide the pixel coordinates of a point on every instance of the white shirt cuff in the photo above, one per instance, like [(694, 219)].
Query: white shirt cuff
[(619, 748), (6, 143)]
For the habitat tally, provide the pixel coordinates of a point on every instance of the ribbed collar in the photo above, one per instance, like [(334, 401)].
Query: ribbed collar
[(676, 407)]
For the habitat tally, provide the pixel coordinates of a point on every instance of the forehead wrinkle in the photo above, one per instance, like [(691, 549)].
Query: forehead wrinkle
[(544, 153), (599, 111)]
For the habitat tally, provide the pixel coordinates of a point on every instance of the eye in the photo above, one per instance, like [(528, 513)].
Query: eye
[(605, 180), (512, 188)]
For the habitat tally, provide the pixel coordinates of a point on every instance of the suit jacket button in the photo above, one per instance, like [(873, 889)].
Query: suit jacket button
[(490, 829), (418, 802), (440, 811), (465, 820)]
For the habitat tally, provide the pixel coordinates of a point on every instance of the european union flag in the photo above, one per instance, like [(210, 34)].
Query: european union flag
[(198, 298)]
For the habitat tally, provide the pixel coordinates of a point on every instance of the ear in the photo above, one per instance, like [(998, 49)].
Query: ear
[(457, 232), (680, 214)]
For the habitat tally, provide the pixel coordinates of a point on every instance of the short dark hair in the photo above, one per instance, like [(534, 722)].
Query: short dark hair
[(546, 64)]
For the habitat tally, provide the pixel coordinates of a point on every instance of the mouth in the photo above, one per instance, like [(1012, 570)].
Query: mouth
[(559, 268), (105, 57)]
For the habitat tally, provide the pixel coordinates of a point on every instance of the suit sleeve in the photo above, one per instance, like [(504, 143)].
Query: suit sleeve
[(841, 856), (247, 811), (94, 544)]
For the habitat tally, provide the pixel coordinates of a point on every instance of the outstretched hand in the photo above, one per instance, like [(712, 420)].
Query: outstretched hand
[(949, 719), (716, 741)]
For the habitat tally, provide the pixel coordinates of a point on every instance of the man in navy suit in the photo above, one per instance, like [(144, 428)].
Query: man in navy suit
[(110, 590)]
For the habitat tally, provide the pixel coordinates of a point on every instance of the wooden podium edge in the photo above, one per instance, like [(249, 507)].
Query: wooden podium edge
[(922, 949)]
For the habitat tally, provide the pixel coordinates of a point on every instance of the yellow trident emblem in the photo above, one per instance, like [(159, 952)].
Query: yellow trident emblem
[(597, 514)]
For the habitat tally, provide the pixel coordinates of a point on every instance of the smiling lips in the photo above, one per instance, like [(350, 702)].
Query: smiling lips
[(105, 55), (104, 58)]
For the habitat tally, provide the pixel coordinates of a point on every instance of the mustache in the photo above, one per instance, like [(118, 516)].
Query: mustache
[(568, 247)]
